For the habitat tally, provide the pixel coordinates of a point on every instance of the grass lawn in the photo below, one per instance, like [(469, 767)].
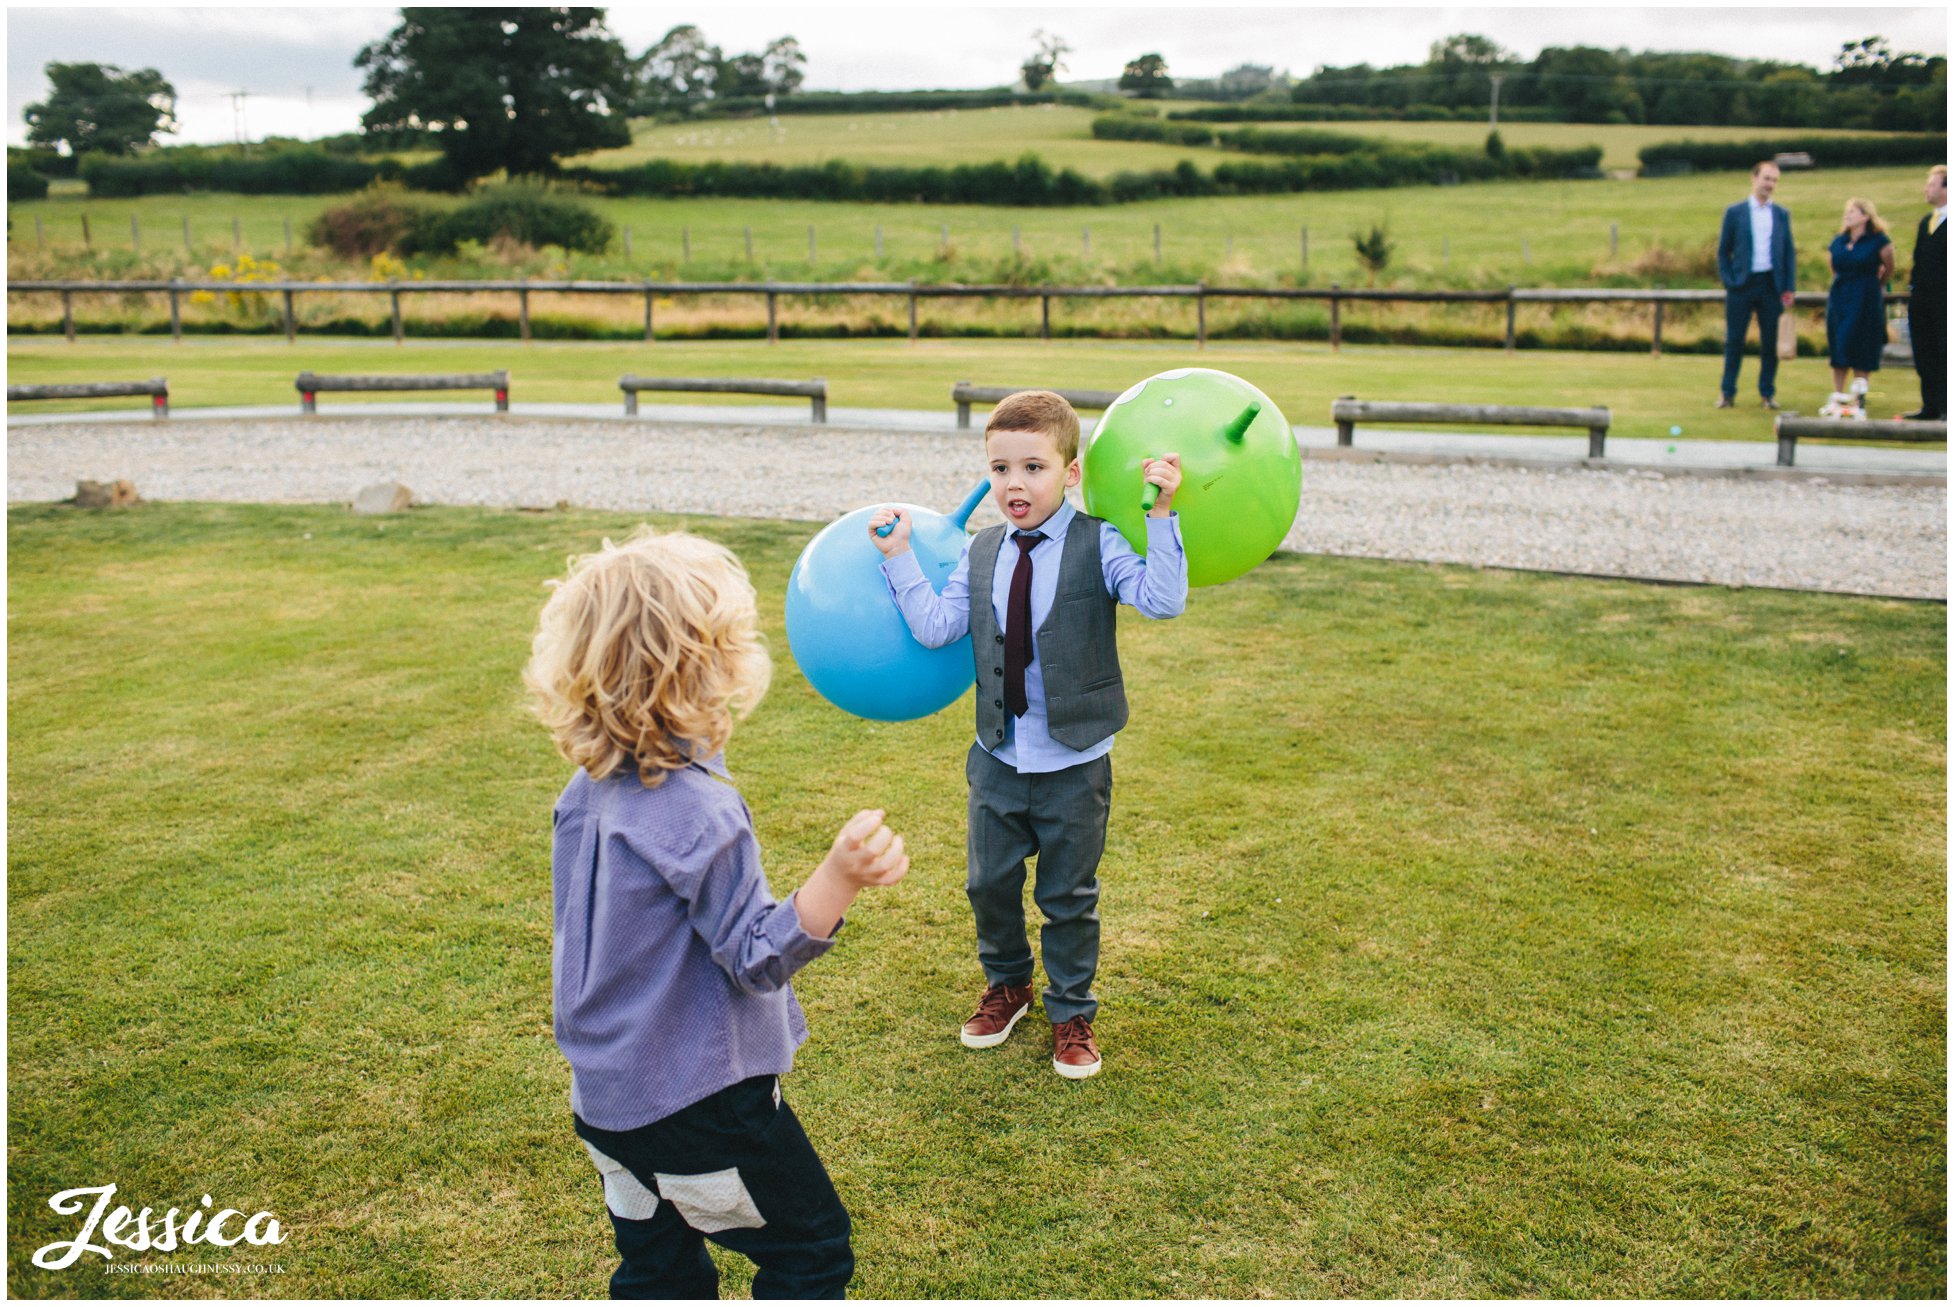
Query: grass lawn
[(1063, 135), (1646, 395), (1486, 234), (1467, 933)]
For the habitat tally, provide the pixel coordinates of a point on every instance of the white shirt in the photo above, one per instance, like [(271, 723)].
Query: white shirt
[(1760, 235)]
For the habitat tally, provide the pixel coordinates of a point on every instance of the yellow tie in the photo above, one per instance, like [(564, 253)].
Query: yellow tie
[(1934, 226)]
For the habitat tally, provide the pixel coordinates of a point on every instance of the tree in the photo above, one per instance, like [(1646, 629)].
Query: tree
[(1373, 250), (744, 75), (783, 63), (1146, 77), (679, 71), (505, 88), (1466, 48), (1245, 80), (1044, 66), (100, 109)]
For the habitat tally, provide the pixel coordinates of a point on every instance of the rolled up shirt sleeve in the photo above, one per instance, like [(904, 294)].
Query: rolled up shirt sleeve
[(757, 942), (1155, 584), (934, 619)]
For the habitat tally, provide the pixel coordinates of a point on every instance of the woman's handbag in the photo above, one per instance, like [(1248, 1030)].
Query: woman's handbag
[(1787, 336)]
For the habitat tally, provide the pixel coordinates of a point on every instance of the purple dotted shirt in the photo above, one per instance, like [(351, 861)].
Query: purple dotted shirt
[(671, 958)]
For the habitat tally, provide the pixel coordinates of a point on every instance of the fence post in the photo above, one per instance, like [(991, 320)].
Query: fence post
[(186, 237), (237, 234), (135, 234), (291, 321), (1336, 318), (400, 334), (1614, 239), (522, 309), (773, 320), (749, 244), (1156, 242), (1201, 315), (1045, 317), (1509, 320), (176, 312), (1346, 427), (685, 244), (1655, 339), (288, 236), (648, 335), (86, 242), (912, 311), (40, 236), (810, 245), (68, 314)]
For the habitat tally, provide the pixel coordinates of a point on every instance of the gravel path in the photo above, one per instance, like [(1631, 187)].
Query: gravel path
[(1803, 534)]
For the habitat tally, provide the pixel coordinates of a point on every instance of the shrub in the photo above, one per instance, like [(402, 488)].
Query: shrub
[(48, 163), (1133, 127), (524, 214), (23, 183), (306, 171), (1826, 151), (379, 221)]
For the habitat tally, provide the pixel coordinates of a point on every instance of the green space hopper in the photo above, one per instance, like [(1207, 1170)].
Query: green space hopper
[(1241, 474)]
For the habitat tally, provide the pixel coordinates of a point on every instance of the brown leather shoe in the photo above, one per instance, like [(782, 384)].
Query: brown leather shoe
[(997, 1012), (1074, 1055), (1725, 401)]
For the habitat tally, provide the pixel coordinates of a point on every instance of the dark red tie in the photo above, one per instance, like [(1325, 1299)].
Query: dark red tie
[(1017, 625)]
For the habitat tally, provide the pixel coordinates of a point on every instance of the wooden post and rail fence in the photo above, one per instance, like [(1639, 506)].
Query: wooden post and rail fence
[(1335, 296)]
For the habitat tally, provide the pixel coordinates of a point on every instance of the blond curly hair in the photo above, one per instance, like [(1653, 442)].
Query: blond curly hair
[(646, 653)]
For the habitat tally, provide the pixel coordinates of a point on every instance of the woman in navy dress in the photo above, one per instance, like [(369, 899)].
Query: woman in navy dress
[(1855, 309)]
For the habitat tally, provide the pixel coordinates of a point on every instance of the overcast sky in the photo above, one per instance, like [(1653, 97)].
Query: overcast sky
[(296, 63)]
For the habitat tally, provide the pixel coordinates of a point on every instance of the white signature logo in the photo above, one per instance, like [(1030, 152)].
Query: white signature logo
[(137, 1231)]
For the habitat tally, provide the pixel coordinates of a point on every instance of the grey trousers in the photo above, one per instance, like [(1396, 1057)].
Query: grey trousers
[(1060, 817)]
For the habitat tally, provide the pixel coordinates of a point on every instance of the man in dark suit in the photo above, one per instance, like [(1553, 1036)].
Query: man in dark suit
[(1927, 302), (1758, 265)]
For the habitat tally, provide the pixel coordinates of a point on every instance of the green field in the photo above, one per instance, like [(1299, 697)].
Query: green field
[(1063, 137), (1647, 396), (1485, 234), (1467, 934)]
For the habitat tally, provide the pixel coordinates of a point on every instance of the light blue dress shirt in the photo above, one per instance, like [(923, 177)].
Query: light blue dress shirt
[(1760, 236), (1156, 585)]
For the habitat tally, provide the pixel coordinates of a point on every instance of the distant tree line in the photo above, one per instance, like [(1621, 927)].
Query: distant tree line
[(1869, 86)]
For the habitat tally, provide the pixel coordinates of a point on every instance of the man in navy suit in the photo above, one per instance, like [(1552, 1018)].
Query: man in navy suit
[(1757, 262)]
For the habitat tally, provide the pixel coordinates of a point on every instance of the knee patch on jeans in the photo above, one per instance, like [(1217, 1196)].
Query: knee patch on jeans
[(624, 1193), (712, 1201)]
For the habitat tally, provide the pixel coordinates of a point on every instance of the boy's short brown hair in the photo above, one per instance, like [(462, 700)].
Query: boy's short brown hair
[(1041, 411)]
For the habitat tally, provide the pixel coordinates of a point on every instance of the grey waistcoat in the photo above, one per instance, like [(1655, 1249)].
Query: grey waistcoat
[(1085, 699)]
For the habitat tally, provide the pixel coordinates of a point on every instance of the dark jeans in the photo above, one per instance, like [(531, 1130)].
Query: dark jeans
[(1757, 296), (1061, 817), (736, 1168)]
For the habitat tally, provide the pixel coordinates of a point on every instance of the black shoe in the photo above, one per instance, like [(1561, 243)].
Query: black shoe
[(1725, 401), (1769, 402), (1923, 416)]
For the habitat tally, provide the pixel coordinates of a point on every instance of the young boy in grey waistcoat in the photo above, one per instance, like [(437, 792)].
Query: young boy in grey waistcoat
[(1049, 700)]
